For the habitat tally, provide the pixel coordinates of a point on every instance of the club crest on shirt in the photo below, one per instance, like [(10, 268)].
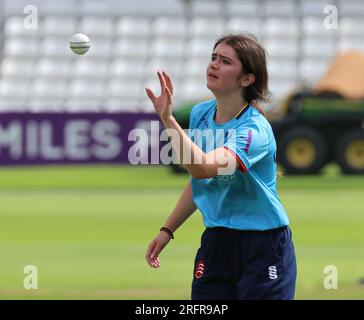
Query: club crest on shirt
[(200, 269)]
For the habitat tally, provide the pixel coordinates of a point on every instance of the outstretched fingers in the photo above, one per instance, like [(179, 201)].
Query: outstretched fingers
[(150, 94), (162, 82), (166, 91), (169, 96), (168, 82)]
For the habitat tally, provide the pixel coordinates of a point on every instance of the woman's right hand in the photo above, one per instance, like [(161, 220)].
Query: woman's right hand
[(155, 247), (163, 103)]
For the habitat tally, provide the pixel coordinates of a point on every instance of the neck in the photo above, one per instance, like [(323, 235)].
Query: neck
[(227, 107)]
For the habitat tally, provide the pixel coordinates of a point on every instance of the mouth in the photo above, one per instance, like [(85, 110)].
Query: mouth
[(212, 75)]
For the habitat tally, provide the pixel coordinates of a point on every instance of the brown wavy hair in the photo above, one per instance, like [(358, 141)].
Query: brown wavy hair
[(252, 56)]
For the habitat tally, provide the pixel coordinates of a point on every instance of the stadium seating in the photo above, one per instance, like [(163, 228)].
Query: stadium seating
[(168, 27), (311, 70), (45, 105), (12, 67), (172, 66), (52, 68), (91, 69), (51, 25), (351, 8), (244, 9), (133, 27), (131, 40), (247, 25), (313, 7)]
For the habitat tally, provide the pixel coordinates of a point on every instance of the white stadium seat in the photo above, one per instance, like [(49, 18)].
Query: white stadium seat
[(206, 8), (90, 68), (21, 47), (195, 89), (282, 48), (285, 8), (131, 48), (169, 27), (17, 89), (195, 68), (247, 8), (48, 89), (279, 89), (100, 48), (121, 105), (162, 47), (200, 48), (354, 43), (133, 27), (56, 47), (351, 8), (17, 68), (146, 106), (64, 7), (53, 68), (124, 89), (17, 26), (313, 7), (77, 104), (45, 105), (59, 26), (149, 8), (245, 25), (206, 27), (316, 47), (311, 70), (281, 27), (172, 66), (314, 27), (96, 7), (127, 68), (282, 69), (349, 27), (80, 88), (12, 105), (97, 26)]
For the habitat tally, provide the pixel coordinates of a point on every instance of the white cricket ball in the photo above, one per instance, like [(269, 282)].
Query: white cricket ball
[(80, 43)]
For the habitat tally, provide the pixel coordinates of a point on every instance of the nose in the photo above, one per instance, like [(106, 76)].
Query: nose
[(213, 64)]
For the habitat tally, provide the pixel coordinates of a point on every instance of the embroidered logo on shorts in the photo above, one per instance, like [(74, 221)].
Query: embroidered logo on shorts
[(272, 272), (200, 269)]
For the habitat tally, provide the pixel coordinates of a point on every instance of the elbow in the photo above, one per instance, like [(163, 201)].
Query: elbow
[(198, 176), (202, 173)]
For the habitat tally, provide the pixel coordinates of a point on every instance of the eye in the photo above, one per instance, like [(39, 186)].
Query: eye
[(226, 61), (213, 58)]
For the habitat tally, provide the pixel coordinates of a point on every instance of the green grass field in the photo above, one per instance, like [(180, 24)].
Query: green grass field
[(86, 229)]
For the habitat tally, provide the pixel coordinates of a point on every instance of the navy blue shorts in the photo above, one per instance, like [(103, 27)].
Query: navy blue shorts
[(245, 265)]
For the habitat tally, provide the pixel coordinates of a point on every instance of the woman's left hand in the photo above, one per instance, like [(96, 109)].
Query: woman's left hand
[(163, 103)]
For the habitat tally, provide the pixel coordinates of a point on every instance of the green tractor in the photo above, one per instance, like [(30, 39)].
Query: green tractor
[(326, 122), (318, 129)]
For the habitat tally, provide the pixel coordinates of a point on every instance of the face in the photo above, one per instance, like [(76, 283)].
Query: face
[(225, 71)]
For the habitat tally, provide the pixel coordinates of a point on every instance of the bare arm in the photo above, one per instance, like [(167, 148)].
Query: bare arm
[(184, 208), (182, 211), (203, 165)]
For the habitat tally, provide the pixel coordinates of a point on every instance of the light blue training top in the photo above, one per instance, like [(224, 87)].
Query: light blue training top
[(247, 199)]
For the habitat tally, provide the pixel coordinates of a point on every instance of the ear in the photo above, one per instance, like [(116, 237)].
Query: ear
[(247, 80)]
